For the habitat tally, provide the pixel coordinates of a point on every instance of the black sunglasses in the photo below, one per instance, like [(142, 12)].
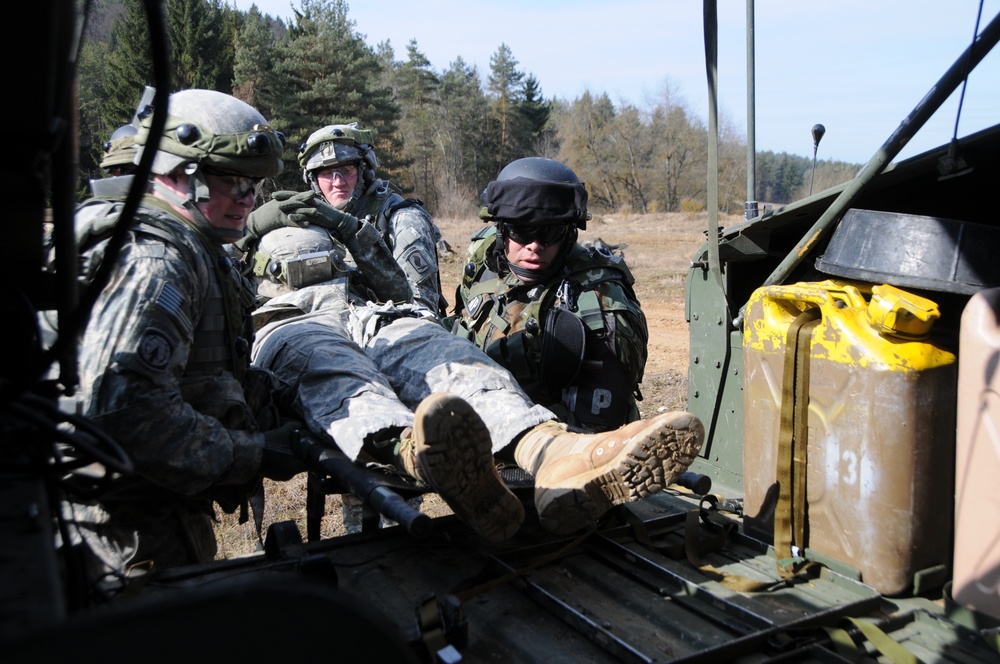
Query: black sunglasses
[(541, 234)]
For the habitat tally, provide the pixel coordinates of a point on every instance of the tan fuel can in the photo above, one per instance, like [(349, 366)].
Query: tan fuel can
[(875, 398)]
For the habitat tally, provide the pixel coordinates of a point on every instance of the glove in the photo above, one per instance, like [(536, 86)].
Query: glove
[(280, 461), (342, 224), (285, 209)]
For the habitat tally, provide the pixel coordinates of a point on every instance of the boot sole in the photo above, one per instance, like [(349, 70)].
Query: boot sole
[(455, 455), (654, 459)]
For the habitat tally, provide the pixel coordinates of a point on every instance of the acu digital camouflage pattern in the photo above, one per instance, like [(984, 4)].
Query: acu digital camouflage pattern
[(159, 374), (507, 319), (356, 370), (411, 235)]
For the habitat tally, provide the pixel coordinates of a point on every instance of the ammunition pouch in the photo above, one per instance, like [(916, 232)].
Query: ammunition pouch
[(564, 341)]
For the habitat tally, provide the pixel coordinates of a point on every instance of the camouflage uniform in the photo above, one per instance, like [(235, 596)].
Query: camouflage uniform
[(355, 369), (570, 330), (412, 236), (406, 228), (164, 358), (160, 375), (592, 384)]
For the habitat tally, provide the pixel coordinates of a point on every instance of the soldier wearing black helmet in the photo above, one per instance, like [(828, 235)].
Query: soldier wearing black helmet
[(563, 318), (164, 359)]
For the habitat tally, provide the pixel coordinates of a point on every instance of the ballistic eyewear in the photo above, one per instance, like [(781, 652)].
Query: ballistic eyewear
[(546, 235), (345, 171), (233, 185)]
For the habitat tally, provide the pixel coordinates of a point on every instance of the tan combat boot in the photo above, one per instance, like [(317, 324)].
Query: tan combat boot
[(579, 477), (451, 451)]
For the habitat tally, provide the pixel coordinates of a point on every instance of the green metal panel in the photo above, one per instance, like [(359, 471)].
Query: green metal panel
[(715, 380)]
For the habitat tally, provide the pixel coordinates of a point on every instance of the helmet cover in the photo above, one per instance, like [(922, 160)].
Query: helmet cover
[(218, 130)]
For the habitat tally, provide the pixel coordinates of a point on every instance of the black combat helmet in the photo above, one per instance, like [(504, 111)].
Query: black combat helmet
[(535, 199), (536, 191)]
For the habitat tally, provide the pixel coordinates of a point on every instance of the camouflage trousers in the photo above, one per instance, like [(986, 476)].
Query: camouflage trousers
[(352, 390)]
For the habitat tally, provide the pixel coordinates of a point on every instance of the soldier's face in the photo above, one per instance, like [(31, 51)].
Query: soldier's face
[(532, 256), (338, 183), (228, 206)]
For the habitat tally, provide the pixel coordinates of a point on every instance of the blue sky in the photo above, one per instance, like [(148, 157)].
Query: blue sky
[(856, 66)]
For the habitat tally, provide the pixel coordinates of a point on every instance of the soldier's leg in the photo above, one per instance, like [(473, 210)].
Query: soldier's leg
[(420, 358), (332, 384)]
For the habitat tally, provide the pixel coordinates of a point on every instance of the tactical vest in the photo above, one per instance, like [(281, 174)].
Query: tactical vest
[(223, 336), (378, 209), (516, 325)]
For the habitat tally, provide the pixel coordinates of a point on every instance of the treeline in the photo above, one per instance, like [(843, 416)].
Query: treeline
[(441, 135)]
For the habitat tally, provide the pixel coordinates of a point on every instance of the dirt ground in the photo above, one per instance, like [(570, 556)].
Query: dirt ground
[(657, 248)]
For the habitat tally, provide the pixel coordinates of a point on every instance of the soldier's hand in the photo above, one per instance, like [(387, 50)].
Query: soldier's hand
[(342, 224), (298, 207), (280, 461), (286, 209)]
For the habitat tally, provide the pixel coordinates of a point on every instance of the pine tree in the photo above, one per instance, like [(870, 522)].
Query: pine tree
[(506, 94), (462, 126), (129, 65), (417, 93), (200, 55), (332, 76), (535, 111)]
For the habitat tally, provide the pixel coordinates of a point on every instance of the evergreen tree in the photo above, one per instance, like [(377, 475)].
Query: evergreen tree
[(506, 94), (199, 52), (462, 111), (254, 63), (331, 76), (535, 112), (94, 130), (129, 65), (417, 93)]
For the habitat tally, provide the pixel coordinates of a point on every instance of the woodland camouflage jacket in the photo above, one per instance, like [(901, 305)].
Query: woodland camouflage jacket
[(576, 343)]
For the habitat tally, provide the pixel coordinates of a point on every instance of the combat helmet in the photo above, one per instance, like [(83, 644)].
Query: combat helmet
[(291, 258), (119, 151), (535, 192), (214, 132), (335, 145)]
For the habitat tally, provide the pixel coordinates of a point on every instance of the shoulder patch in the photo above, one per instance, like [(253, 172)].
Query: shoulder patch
[(155, 349), (169, 300)]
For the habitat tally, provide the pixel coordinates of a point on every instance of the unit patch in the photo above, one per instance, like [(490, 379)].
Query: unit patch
[(155, 349)]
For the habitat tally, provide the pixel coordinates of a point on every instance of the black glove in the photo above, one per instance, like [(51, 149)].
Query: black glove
[(280, 461)]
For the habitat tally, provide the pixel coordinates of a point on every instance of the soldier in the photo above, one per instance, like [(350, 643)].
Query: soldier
[(119, 151), (388, 380), (561, 317), (164, 361), (338, 163)]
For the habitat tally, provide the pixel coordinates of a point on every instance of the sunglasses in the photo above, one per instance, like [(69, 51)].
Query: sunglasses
[(546, 235), (233, 185)]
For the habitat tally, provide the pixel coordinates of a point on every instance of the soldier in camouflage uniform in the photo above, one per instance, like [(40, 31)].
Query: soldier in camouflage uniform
[(390, 381), (561, 317), (164, 361), (338, 163)]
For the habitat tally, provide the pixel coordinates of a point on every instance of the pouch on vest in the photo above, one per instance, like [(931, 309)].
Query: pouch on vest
[(601, 396), (564, 340)]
